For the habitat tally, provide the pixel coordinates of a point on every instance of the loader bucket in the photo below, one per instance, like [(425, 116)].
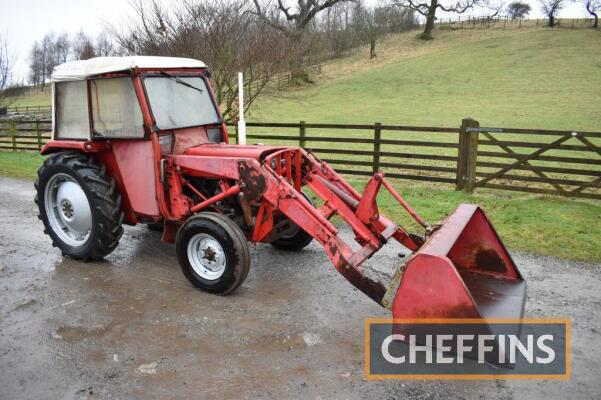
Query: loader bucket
[(462, 271)]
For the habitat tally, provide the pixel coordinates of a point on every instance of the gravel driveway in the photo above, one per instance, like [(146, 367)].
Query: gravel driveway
[(132, 327)]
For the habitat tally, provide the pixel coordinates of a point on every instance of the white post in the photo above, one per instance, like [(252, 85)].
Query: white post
[(241, 122)]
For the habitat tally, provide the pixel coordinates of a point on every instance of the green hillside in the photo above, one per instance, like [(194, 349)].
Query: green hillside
[(535, 78), (33, 97)]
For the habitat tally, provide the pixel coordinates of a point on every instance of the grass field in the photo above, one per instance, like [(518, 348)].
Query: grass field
[(20, 164), (529, 78), (34, 98)]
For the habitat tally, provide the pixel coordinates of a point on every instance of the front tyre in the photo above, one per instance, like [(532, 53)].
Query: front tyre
[(291, 237), (212, 253), (79, 206)]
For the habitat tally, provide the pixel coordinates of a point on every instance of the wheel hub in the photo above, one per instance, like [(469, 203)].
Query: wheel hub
[(206, 256), (68, 209)]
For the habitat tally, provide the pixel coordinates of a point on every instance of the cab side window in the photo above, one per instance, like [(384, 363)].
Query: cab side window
[(115, 109), (71, 110)]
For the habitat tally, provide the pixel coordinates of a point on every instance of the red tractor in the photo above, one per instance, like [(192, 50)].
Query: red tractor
[(141, 140)]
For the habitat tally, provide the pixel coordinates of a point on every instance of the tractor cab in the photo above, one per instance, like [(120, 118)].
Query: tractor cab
[(111, 98)]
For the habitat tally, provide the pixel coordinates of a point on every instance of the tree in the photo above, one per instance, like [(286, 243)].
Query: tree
[(428, 10), (551, 8), (44, 56), (333, 30), (393, 19), (517, 10), (62, 48), (223, 33), (592, 7), (294, 25), (6, 65), (83, 47), (35, 65), (104, 46), (367, 27)]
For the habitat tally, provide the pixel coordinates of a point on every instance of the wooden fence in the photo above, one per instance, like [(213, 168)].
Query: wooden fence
[(281, 81), (29, 109), (566, 163), (503, 21), (18, 135)]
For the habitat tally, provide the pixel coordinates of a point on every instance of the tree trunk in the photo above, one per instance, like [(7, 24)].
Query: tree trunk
[(297, 59), (596, 23), (551, 21), (430, 18), (372, 48)]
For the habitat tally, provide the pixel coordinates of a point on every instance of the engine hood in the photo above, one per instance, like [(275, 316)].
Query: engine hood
[(258, 152)]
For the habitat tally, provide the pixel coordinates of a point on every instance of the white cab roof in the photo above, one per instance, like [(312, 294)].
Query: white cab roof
[(79, 70)]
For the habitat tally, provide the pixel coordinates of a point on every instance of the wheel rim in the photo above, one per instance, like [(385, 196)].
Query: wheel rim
[(288, 230), (206, 256), (68, 210)]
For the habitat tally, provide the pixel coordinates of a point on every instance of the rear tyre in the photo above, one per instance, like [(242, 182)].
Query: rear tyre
[(79, 206), (292, 237), (213, 253)]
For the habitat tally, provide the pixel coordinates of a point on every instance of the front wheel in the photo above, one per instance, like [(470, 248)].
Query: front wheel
[(213, 253), (291, 237), (79, 206)]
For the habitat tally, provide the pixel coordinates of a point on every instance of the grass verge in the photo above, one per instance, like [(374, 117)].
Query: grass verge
[(545, 225), (20, 164)]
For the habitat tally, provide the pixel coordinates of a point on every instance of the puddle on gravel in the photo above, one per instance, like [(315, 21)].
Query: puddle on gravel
[(77, 333)]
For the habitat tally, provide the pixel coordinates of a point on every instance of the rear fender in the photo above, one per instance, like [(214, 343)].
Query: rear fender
[(54, 146), (131, 168)]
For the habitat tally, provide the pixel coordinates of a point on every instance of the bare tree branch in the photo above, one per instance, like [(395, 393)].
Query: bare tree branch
[(225, 34), (551, 8), (428, 10), (9, 90), (298, 20), (592, 7)]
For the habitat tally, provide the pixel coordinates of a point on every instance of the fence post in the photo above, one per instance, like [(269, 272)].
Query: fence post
[(461, 155), (377, 140), (37, 132), (472, 156), (302, 132), (13, 132), (467, 156)]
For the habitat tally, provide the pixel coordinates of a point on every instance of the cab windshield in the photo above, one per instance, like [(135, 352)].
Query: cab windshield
[(180, 101)]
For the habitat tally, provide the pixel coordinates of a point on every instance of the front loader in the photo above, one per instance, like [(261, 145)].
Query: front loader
[(141, 140)]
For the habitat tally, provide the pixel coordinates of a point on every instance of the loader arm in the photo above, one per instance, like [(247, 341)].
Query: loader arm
[(455, 268)]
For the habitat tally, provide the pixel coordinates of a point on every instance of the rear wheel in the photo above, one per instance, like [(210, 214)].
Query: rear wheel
[(79, 206), (213, 253), (291, 236)]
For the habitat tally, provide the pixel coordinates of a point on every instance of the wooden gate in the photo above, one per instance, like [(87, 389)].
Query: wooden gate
[(566, 163)]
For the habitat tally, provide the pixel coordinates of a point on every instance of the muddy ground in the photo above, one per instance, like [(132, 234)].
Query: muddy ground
[(132, 327)]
